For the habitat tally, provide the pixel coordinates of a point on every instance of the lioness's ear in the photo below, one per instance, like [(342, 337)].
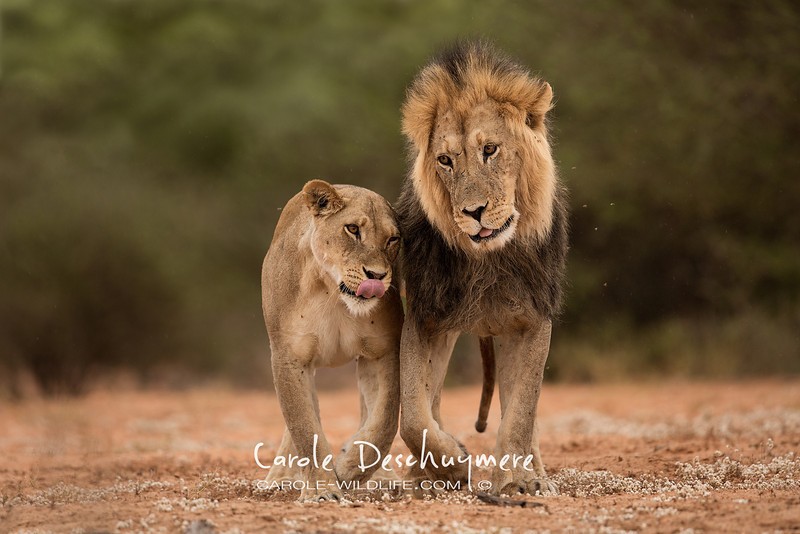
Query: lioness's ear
[(538, 106), (321, 198)]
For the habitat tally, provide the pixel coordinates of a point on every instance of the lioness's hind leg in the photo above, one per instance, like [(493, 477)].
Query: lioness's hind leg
[(364, 410), (363, 419), (378, 382)]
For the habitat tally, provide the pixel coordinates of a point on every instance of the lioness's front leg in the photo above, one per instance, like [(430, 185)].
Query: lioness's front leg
[(294, 384), (378, 382), (423, 365), (278, 473), (520, 367)]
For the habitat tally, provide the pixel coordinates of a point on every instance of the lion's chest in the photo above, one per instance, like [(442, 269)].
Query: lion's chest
[(499, 314), (488, 302)]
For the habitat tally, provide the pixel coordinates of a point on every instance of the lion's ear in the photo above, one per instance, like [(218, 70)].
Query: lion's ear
[(538, 106), (321, 198)]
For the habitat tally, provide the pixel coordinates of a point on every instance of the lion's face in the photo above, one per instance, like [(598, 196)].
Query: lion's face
[(355, 240), (483, 171), (478, 161)]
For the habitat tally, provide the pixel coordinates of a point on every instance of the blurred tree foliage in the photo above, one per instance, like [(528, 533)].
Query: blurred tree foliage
[(147, 146)]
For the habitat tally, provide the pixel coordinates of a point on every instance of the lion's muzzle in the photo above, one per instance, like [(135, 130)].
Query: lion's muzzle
[(487, 233)]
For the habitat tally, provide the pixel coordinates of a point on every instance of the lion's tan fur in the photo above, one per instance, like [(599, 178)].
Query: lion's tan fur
[(480, 155)]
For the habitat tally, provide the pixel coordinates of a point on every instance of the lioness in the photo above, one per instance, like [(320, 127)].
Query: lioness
[(328, 297), (484, 224)]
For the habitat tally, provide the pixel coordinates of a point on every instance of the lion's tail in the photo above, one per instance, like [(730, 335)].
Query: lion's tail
[(487, 357)]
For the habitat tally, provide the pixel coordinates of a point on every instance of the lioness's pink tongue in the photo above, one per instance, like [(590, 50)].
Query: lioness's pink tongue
[(370, 288), (485, 232)]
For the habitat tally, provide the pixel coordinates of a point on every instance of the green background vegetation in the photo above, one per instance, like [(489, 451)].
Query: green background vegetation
[(147, 146)]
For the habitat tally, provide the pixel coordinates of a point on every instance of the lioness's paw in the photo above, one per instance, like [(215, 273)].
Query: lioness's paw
[(320, 495), (537, 486)]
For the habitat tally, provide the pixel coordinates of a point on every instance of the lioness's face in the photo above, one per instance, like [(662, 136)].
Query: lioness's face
[(356, 241), (478, 160)]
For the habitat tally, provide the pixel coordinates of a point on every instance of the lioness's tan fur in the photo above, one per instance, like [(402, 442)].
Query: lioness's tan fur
[(309, 278)]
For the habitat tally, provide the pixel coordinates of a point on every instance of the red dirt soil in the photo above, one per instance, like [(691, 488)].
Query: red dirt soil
[(647, 457)]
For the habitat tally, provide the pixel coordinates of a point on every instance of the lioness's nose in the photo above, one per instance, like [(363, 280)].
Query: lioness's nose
[(372, 275), (475, 211)]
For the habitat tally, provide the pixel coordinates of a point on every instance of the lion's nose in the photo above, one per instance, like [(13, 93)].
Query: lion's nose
[(372, 275), (475, 211)]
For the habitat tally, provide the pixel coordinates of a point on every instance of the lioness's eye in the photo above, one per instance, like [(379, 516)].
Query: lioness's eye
[(445, 160), (352, 228), (489, 149), (392, 240)]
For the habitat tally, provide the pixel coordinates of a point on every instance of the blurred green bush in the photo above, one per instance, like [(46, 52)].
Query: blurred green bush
[(146, 148)]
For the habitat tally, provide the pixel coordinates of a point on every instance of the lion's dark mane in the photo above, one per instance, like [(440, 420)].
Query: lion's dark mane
[(450, 290)]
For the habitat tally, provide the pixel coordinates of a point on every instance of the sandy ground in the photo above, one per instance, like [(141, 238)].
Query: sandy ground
[(647, 457)]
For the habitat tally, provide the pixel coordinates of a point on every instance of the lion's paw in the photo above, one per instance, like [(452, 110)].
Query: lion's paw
[(541, 486), (422, 488)]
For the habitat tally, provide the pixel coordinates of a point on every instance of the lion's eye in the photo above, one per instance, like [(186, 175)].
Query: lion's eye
[(445, 160), (352, 228), (489, 149), (392, 240)]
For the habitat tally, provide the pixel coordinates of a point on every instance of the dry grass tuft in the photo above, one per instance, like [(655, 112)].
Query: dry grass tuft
[(693, 479)]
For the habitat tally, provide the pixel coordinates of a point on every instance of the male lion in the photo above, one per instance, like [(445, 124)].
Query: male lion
[(329, 297), (484, 225)]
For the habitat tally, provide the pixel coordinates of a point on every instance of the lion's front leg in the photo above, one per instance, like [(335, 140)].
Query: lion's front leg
[(295, 387), (423, 365), (378, 382), (520, 368)]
